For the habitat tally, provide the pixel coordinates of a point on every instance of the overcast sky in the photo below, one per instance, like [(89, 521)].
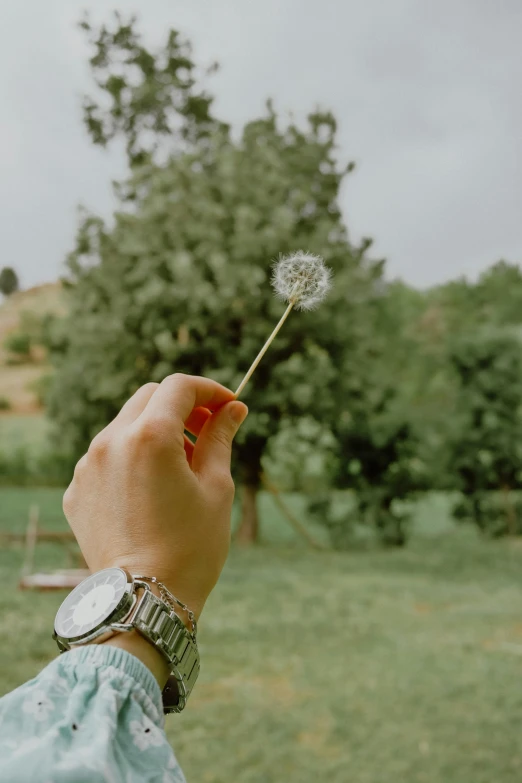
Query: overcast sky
[(428, 94)]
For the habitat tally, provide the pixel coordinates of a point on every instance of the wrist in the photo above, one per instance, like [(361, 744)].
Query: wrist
[(141, 648), (136, 644), (183, 589)]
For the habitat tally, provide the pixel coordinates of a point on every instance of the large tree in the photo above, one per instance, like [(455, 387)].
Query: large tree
[(180, 282), (149, 98)]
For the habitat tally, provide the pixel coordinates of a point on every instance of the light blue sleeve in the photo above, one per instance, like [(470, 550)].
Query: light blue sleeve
[(93, 714)]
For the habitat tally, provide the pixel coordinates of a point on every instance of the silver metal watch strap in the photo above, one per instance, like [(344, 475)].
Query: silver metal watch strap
[(163, 628)]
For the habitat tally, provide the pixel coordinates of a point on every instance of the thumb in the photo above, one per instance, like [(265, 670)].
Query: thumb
[(213, 449)]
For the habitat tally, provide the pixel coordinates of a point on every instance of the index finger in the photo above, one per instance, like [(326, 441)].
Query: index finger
[(178, 395)]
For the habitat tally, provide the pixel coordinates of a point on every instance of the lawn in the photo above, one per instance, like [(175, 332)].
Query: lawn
[(371, 667), (23, 431)]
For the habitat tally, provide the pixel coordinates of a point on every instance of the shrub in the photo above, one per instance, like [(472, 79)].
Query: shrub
[(379, 460), (496, 514), (5, 404), (337, 512), (19, 345), (20, 468), (16, 468), (40, 387), (486, 452)]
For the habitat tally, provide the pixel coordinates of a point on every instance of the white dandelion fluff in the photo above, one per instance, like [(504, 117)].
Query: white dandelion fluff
[(302, 280)]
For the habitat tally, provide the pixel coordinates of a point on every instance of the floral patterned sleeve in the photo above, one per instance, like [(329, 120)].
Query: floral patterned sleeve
[(93, 714)]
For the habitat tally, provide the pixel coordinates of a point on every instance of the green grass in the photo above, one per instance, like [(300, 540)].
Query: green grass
[(401, 666), (23, 431)]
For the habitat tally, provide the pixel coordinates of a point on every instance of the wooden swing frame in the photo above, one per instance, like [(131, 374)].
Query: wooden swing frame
[(60, 579)]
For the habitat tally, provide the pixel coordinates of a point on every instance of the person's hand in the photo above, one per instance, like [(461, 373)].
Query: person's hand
[(146, 499)]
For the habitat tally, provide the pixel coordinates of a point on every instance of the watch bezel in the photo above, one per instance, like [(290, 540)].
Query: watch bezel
[(122, 611)]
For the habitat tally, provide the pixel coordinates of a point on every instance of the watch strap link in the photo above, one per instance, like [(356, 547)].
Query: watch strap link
[(166, 631)]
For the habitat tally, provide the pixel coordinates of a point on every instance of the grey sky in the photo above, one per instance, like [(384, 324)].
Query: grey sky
[(427, 92)]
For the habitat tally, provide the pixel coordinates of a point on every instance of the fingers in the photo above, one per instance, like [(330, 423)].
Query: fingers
[(213, 449), (178, 395), (136, 405), (189, 449), (197, 420)]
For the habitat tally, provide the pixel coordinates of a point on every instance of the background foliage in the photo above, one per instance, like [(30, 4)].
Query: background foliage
[(384, 393), (8, 281), (378, 417)]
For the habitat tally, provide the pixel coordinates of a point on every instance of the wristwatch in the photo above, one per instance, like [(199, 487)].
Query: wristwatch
[(107, 602)]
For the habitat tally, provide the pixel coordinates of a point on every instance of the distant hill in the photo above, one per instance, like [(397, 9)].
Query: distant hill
[(16, 380)]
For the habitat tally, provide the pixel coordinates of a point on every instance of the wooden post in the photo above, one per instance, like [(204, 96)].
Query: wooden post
[(290, 516), (31, 537), (248, 531)]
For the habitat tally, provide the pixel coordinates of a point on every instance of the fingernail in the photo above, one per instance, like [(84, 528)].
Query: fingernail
[(238, 412)]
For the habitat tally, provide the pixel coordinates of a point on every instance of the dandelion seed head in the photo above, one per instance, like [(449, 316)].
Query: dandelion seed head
[(302, 278)]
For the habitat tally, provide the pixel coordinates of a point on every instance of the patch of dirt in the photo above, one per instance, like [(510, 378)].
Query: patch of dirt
[(16, 385), (277, 691)]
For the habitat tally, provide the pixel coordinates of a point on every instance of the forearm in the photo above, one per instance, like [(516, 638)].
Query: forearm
[(93, 714)]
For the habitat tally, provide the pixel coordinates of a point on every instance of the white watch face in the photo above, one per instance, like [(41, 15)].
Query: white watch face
[(92, 602)]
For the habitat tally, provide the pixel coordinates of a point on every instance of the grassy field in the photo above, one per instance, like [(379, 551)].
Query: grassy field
[(319, 666), (27, 431)]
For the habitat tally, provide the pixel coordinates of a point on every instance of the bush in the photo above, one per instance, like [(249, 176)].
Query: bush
[(300, 458), (40, 387), (5, 404), (349, 517), (20, 468), (378, 457), (15, 468), (391, 519), (496, 514), (337, 512), (19, 345), (486, 451)]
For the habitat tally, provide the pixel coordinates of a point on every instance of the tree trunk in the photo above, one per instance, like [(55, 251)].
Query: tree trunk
[(249, 528), (511, 516)]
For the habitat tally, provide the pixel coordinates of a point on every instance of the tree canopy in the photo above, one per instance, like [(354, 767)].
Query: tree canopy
[(366, 394), (181, 280), (9, 282)]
